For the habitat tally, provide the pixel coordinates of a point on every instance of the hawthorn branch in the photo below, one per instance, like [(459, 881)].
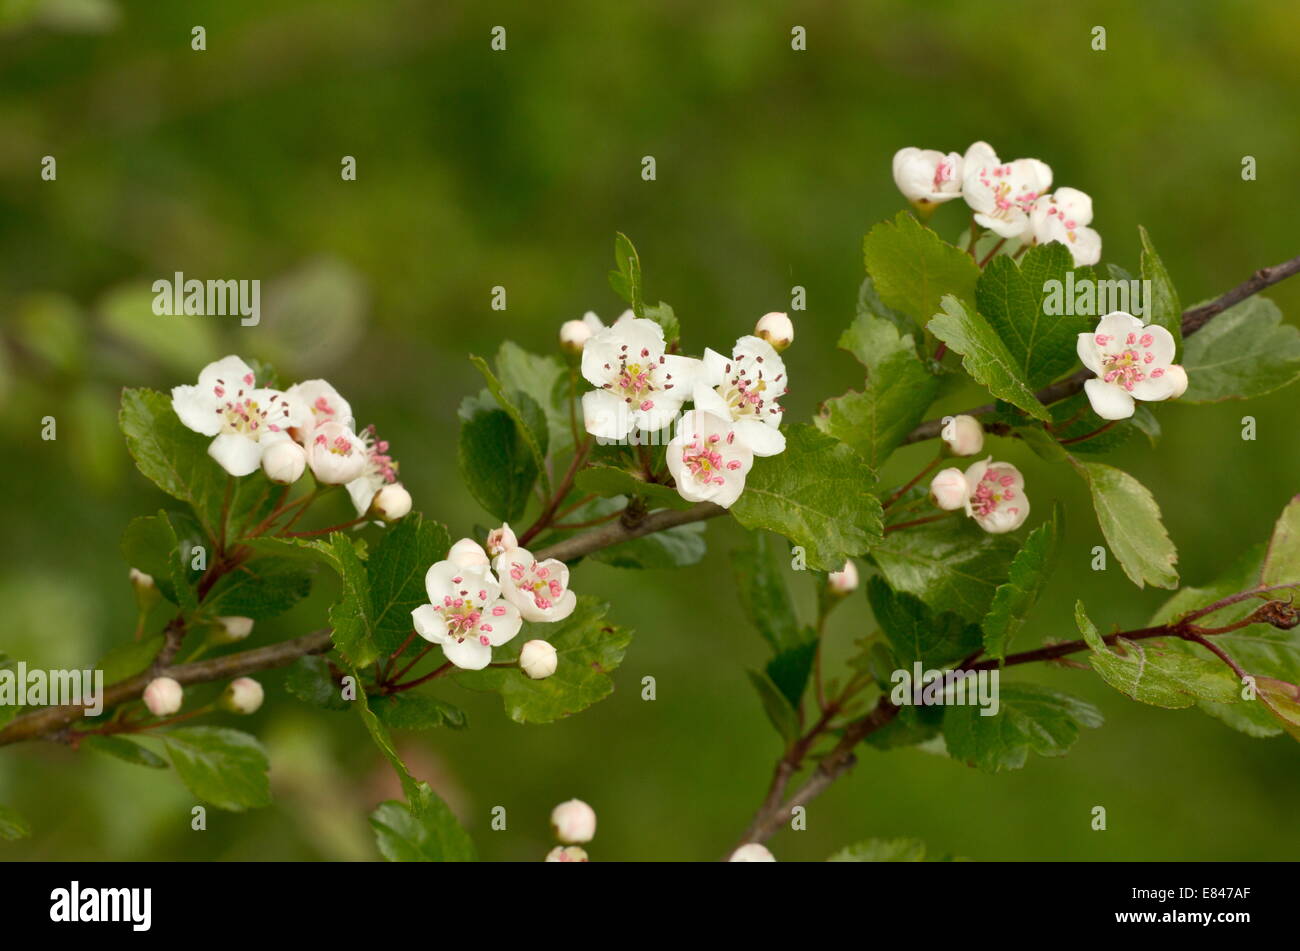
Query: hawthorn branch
[(1193, 320), (627, 528)]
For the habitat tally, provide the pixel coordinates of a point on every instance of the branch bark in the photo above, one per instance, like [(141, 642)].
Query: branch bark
[(626, 529)]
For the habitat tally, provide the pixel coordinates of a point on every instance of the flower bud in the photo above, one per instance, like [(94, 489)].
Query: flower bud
[(567, 853), (391, 502), (466, 553), (574, 335), (243, 695), (500, 540), (231, 629), (538, 660), (949, 489), (844, 581), (573, 821), (336, 454), (284, 462), (752, 852), (146, 592), (163, 696), (964, 435), (776, 329), (1177, 378)]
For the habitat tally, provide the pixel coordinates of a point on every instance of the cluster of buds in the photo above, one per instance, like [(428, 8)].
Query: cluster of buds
[(574, 825)]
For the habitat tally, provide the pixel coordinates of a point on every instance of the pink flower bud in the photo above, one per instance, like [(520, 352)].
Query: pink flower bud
[(231, 629), (574, 822), (844, 581), (243, 696), (949, 489), (964, 435), (776, 328), (391, 502), (163, 696), (574, 335)]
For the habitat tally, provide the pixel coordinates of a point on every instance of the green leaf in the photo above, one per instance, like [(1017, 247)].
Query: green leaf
[(1244, 352), (127, 660), (589, 649), (666, 318), (1151, 672), (984, 356), (430, 835), (1283, 701), (1165, 310), (396, 570), (915, 633), (951, 565), (611, 481), (675, 547), (1029, 572), (1011, 298), (225, 768), (544, 380), (882, 850), (913, 725), (311, 681), (776, 705), (416, 711), (12, 825), (126, 312), (898, 390), (496, 463), (764, 595), (1282, 561), (815, 494), (790, 669), (527, 415), (626, 279), (124, 749), (150, 544), (1130, 520), (1030, 719), (353, 615), (912, 268), (870, 305), (261, 588)]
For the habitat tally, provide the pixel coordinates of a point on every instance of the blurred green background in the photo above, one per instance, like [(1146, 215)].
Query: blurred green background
[(479, 168)]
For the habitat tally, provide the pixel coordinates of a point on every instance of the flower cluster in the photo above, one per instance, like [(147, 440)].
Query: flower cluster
[(309, 425), (478, 600), (641, 387), (1011, 199)]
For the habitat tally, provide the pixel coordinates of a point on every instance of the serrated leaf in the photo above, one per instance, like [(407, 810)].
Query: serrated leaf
[(150, 544), (611, 481), (984, 356), (589, 649), (776, 705), (1282, 560), (396, 570), (764, 595), (1030, 719), (1244, 352), (666, 318), (311, 681), (815, 494), (791, 668), (951, 565), (626, 278), (496, 463), (124, 749), (912, 268), (353, 616), (915, 633), (260, 588), (428, 835), (1029, 573), (417, 711), (544, 380), (1130, 521), (222, 767), (882, 850), (1165, 310), (527, 415)]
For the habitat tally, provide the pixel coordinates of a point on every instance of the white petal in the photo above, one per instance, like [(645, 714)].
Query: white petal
[(229, 372), (1117, 325), (684, 370), (1089, 352), (1108, 400), (727, 493), (429, 624), (1154, 389), (713, 368), (605, 415), (710, 401), (468, 654), (504, 626), (762, 439), (1162, 345), (238, 455), (197, 408), (1086, 248)]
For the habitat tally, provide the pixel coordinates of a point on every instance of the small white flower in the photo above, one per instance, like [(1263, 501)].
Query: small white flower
[(501, 540), (844, 581), (776, 328), (245, 420), (466, 615), (231, 629), (467, 553), (752, 852), (963, 434), (323, 404), (948, 489), (1064, 216), (378, 471), (392, 502), (1001, 193), (538, 659), (996, 496), (927, 177), (243, 695), (640, 386), (567, 853), (336, 454), (539, 589), (707, 459), (574, 822), (284, 462), (1132, 362), (163, 696), (745, 388)]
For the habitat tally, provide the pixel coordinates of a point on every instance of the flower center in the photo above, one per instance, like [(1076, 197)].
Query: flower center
[(536, 582), (464, 616), (703, 459), (379, 464), (992, 491), (635, 378), (745, 390), (1126, 367), (242, 415), (339, 445)]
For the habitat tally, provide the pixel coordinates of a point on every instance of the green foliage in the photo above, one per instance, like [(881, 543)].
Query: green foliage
[(815, 494), (1027, 576), (311, 681), (261, 588), (1282, 561), (527, 414), (124, 749), (676, 547), (496, 463), (1165, 310), (222, 767), (544, 380), (886, 850), (429, 834), (150, 545), (780, 711), (912, 268), (985, 356), (588, 648), (417, 711), (127, 660), (1130, 520), (764, 595), (12, 825), (1030, 719), (1244, 352), (915, 633), (626, 278), (611, 481)]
